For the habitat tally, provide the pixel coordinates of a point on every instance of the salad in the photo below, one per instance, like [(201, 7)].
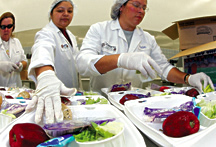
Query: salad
[(208, 108)]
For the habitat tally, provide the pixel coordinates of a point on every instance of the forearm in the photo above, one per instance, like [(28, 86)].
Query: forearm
[(24, 63), (39, 70), (107, 63), (176, 76)]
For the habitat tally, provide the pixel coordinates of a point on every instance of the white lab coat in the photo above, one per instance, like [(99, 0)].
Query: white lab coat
[(107, 38), (52, 48), (16, 55)]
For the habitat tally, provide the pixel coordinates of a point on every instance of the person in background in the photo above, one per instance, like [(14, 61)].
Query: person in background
[(112, 51), (12, 57), (52, 64)]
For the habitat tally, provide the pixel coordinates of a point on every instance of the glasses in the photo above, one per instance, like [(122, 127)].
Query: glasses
[(139, 6), (6, 26)]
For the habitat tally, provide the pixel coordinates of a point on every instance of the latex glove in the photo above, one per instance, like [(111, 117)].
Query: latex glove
[(197, 79), (20, 67), (7, 66), (139, 61), (47, 97)]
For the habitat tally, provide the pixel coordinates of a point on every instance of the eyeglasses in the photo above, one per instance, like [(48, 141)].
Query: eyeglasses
[(138, 5), (6, 26)]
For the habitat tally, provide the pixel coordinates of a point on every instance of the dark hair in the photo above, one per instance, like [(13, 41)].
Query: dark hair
[(55, 7), (8, 15)]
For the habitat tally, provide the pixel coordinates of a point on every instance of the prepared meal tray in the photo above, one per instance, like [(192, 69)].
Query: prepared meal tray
[(119, 98), (17, 93), (11, 109), (134, 110), (130, 135)]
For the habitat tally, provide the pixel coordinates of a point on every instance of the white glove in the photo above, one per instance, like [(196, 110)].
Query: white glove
[(47, 97), (20, 67), (139, 61), (7, 66), (197, 79)]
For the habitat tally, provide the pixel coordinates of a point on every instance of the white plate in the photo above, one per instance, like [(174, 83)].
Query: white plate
[(134, 111), (131, 134), (114, 97)]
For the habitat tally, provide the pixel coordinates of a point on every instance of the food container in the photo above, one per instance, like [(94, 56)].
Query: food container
[(207, 96), (204, 120), (117, 140), (4, 120)]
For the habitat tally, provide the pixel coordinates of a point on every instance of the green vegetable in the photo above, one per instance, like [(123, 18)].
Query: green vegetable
[(93, 133), (103, 101), (208, 108), (208, 88), (99, 132), (161, 94), (98, 100), (90, 93), (8, 114)]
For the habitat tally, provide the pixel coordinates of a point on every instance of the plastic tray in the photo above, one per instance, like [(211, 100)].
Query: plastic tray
[(134, 111), (114, 97), (131, 134)]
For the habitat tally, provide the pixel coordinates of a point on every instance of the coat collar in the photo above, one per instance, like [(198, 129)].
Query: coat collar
[(136, 39), (1, 42)]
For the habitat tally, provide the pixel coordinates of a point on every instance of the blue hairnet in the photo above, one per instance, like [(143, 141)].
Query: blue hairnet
[(55, 2), (115, 10)]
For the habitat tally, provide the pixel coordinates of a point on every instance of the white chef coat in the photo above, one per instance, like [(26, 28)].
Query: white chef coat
[(107, 38), (16, 55), (52, 48)]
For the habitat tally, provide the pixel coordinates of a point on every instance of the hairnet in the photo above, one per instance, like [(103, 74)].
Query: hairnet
[(55, 2), (115, 10)]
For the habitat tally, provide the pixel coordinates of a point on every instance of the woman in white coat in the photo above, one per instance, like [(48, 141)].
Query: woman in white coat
[(12, 57), (113, 50), (52, 64)]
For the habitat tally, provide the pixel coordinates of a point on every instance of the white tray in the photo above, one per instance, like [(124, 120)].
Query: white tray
[(131, 134), (134, 111), (114, 97), (134, 89)]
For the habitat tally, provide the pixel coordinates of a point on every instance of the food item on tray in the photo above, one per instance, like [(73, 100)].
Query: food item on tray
[(26, 134), (159, 114), (24, 94), (208, 88), (66, 112), (162, 88), (58, 141), (208, 108), (97, 132), (16, 108), (2, 89), (74, 126), (8, 114), (192, 92), (120, 87), (128, 97), (180, 124), (65, 101), (8, 97)]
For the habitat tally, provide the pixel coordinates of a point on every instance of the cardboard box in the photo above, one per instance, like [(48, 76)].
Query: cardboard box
[(200, 59), (193, 32)]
